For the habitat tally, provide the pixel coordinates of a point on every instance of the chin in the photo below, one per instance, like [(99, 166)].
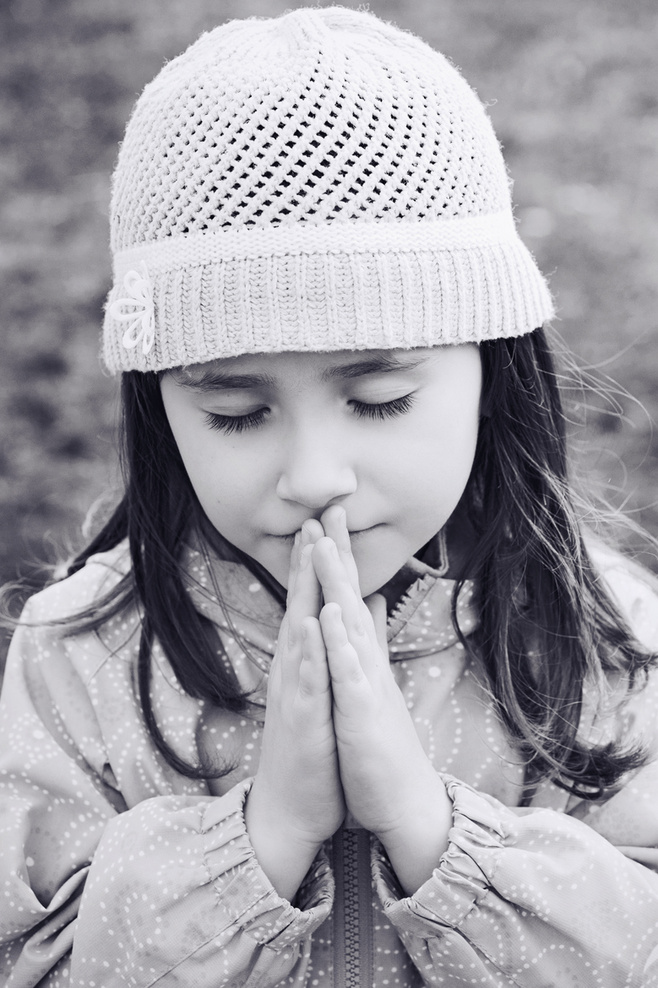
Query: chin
[(375, 573), (375, 584)]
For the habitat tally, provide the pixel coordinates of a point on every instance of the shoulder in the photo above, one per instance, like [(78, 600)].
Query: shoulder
[(78, 593), (633, 588), (627, 709), (68, 631)]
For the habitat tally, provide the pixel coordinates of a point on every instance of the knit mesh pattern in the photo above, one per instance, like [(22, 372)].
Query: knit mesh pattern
[(322, 181)]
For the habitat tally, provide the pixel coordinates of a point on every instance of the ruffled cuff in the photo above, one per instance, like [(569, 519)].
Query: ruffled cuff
[(464, 876), (180, 872), (247, 896)]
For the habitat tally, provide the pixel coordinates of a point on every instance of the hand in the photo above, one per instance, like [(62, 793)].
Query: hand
[(389, 783), (296, 800)]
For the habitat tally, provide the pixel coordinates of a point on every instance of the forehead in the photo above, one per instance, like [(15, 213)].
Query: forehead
[(252, 370)]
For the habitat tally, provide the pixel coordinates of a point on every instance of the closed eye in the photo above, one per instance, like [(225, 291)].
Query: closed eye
[(383, 409), (230, 424)]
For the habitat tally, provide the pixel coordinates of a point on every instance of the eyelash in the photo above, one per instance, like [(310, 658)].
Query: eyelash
[(229, 424), (383, 410)]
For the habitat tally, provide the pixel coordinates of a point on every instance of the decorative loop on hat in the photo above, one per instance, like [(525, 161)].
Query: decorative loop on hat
[(141, 310)]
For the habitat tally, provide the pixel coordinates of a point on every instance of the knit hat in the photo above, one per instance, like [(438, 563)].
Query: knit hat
[(312, 182)]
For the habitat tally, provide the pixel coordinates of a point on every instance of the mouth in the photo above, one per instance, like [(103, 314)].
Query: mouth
[(355, 534), (358, 533), (289, 538)]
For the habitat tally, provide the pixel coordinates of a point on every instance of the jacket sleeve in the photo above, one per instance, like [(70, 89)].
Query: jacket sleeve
[(537, 897), (540, 897), (94, 892)]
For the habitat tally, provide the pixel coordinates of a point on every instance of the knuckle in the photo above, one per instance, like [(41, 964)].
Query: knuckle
[(307, 689)]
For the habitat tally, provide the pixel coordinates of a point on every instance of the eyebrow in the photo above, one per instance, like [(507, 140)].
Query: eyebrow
[(381, 364), (215, 379)]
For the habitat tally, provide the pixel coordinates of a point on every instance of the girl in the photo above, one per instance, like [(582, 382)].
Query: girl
[(339, 695)]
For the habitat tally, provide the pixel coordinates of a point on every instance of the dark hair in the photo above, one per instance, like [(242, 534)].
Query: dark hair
[(547, 624), (159, 510)]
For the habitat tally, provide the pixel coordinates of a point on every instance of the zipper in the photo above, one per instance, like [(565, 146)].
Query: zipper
[(352, 909)]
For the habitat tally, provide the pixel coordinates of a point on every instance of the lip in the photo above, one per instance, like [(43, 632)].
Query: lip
[(356, 534), (353, 533)]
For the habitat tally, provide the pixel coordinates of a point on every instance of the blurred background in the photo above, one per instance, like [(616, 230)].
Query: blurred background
[(572, 88)]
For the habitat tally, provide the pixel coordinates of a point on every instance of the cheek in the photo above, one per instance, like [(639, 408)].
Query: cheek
[(435, 465), (219, 483), (225, 481), (226, 493)]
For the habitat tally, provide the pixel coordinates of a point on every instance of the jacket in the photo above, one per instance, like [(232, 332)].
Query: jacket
[(118, 871)]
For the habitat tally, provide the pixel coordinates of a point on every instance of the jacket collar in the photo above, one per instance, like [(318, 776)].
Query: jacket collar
[(419, 624)]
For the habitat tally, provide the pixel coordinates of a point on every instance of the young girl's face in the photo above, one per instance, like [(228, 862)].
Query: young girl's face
[(269, 440)]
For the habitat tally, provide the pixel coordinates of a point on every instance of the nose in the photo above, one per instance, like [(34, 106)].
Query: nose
[(316, 472)]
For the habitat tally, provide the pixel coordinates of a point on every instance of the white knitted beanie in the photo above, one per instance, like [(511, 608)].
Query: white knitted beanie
[(311, 182)]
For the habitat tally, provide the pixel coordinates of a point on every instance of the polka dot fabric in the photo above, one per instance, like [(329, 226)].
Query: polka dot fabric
[(115, 870)]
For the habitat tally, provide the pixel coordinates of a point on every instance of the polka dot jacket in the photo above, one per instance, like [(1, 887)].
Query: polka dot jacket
[(118, 871)]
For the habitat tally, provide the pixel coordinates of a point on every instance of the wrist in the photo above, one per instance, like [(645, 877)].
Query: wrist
[(419, 838), (284, 853)]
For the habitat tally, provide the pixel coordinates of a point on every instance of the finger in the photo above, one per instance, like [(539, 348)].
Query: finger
[(342, 657), (310, 589), (305, 600), (338, 588), (306, 597), (334, 521), (369, 644), (294, 565), (312, 530), (314, 677)]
